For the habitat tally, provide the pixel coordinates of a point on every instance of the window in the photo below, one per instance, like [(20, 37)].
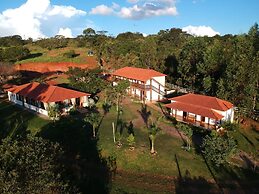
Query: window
[(19, 97)]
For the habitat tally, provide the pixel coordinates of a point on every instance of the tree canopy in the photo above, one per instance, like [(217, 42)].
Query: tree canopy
[(31, 165), (86, 80), (217, 148)]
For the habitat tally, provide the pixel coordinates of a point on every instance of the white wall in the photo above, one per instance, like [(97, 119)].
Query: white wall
[(212, 122), (12, 97), (179, 113), (160, 79), (36, 109), (155, 95), (148, 95), (227, 115), (198, 117)]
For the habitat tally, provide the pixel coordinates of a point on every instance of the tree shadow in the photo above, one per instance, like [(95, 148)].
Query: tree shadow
[(32, 55), (253, 128), (145, 114), (197, 138), (83, 163), (25, 77), (238, 179), (247, 139), (106, 108), (15, 126), (14, 120), (130, 128), (189, 184), (121, 125)]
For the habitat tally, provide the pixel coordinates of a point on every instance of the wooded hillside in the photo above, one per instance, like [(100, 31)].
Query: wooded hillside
[(223, 66)]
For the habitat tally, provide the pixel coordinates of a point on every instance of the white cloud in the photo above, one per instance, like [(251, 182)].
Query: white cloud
[(139, 9), (200, 31), (133, 1), (66, 32), (66, 11), (102, 10), (27, 19), (115, 6)]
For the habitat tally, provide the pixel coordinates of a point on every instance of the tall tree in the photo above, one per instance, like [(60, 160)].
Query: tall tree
[(190, 57), (187, 130), (120, 91), (31, 165), (93, 118), (153, 130), (89, 32)]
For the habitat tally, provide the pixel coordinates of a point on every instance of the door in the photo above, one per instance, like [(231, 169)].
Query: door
[(184, 115), (78, 101)]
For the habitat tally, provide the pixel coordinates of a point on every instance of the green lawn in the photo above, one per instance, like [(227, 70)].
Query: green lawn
[(247, 139), (55, 55), (140, 159), (137, 170), (11, 115)]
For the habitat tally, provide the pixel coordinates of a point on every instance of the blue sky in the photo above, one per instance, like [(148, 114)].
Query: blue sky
[(46, 18)]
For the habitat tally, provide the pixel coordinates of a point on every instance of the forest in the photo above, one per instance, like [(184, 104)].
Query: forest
[(223, 66)]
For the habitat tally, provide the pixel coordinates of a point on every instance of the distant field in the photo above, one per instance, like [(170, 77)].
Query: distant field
[(56, 55)]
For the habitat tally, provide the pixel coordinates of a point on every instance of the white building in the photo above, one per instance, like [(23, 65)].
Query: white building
[(201, 110), (38, 97), (145, 84)]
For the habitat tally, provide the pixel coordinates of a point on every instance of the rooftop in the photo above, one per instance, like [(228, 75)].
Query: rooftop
[(206, 112), (46, 93), (137, 73), (203, 101)]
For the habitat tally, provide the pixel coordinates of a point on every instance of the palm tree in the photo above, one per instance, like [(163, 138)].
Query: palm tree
[(153, 130), (93, 119), (54, 112), (187, 130)]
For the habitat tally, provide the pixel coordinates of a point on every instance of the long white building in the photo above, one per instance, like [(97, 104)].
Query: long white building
[(38, 97)]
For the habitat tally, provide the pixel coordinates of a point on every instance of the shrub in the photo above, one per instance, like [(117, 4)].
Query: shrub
[(70, 54)]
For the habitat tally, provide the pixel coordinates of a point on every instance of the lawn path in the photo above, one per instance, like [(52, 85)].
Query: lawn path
[(139, 121)]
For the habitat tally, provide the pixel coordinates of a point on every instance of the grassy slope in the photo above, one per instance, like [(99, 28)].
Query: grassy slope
[(55, 55)]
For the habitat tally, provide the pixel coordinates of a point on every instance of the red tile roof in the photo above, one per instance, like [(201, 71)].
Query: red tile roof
[(204, 101), (198, 110), (137, 73), (46, 93)]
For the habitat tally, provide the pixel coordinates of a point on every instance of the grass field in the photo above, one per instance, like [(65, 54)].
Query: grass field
[(137, 170), (56, 55)]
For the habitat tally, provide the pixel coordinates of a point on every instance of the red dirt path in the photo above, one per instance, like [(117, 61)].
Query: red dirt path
[(51, 67)]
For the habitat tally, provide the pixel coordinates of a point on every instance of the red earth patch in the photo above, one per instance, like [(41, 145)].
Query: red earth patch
[(52, 66)]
